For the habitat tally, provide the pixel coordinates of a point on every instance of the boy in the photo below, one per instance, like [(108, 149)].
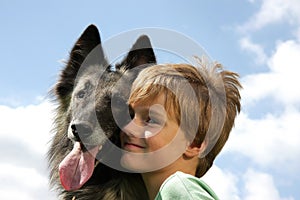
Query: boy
[(181, 118)]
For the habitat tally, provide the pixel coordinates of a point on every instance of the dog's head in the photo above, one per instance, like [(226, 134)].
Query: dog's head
[(84, 92)]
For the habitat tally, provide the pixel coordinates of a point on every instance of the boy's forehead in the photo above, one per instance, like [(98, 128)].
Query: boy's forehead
[(149, 102)]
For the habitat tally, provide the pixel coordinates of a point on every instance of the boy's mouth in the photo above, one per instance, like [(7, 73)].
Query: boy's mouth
[(133, 146)]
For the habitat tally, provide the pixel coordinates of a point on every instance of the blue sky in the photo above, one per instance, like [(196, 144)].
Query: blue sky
[(259, 39), (38, 34)]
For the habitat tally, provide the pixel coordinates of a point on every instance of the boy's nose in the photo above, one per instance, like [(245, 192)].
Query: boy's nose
[(134, 129)]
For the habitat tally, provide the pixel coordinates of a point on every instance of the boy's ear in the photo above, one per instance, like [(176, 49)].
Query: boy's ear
[(140, 53), (193, 150)]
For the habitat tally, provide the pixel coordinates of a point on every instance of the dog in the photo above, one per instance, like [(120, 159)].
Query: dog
[(84, 124)]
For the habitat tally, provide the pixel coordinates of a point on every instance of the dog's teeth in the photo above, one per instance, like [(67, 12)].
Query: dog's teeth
[(100, 147)]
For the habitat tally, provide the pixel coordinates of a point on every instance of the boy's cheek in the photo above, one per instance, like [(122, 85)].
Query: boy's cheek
[(122, 135)]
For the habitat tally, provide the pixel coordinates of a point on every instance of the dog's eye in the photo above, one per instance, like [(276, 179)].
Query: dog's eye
[(80, 94)]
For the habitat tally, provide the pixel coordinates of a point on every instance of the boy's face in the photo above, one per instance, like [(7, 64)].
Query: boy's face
[(151, 140)]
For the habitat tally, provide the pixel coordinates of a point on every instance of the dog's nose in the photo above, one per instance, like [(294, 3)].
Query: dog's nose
[(81, 131)]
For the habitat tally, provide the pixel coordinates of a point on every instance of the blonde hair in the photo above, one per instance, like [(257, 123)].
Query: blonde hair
[(204, 102)]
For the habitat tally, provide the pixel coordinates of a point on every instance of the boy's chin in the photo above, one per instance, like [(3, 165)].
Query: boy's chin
[(142, 163), (138, 163)]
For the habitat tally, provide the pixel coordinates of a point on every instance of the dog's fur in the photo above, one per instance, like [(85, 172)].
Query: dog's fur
[(81, 74)]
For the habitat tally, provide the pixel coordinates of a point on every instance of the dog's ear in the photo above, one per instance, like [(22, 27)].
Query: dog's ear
[(140, 53), (88, 41)]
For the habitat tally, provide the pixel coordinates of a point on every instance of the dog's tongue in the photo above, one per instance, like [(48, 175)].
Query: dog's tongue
[(77, 167)]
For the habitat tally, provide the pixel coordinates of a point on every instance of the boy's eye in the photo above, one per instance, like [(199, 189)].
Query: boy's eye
[(152, 121)]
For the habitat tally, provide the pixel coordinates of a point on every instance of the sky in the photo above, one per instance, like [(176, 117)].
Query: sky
[(259, 39)]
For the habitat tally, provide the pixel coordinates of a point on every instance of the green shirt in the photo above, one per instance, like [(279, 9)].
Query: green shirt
[(181, 186)]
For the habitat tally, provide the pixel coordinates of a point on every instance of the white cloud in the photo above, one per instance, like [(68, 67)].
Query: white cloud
[(260, 186), (24, 136), (281, 81), (23, 183), (271, 142), (247, 45), (30, 124), (276, 133), (273, 11), (224, 183), (251, 185)]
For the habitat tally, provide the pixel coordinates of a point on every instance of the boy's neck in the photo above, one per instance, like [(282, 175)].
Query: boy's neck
[(153, 180)]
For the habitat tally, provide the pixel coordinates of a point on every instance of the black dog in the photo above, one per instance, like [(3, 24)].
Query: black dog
[(84, 121)]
